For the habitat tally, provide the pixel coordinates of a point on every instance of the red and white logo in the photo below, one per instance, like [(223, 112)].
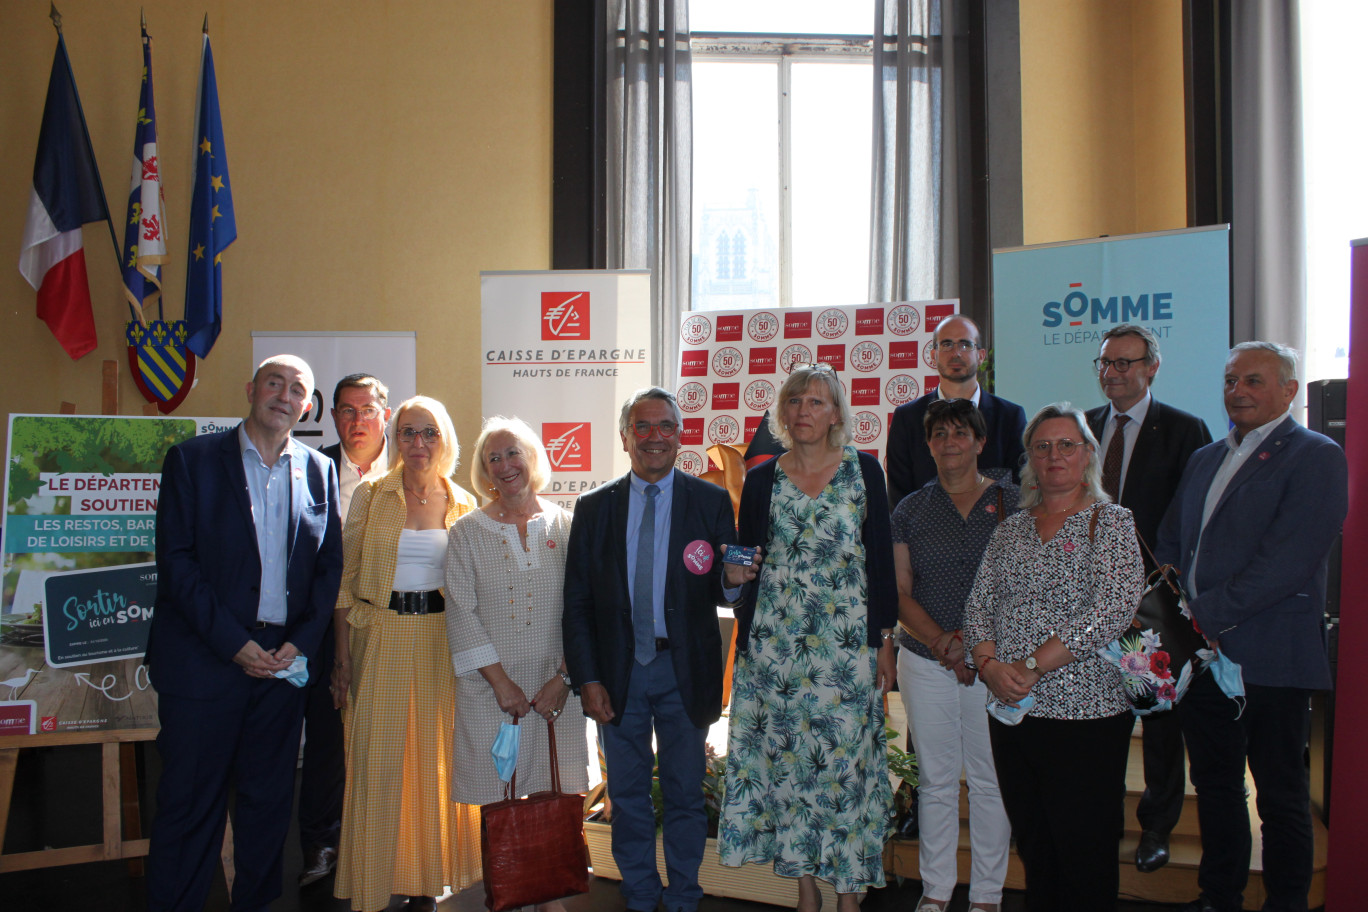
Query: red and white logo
[(727, 362), (937, 312), (753, 425), (798, 324), (567, 445), (724, 429), (867, 356), (692, 396), (833, 355), (689, 461), (691, 432), (726, 396), (864, 391), (759, 395), (904, 355), (832, 323), (903, 320), (931, 383), (48, 723), (901, 389), (565, 315), (866, 427), (869, 321), (696, 330), (693, 363), (763, 326), (796, 353), (929, 354), (762, 360), (729, 328)]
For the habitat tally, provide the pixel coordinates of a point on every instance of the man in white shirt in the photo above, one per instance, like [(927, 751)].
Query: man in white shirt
[(1145, 445), (360, 411), (1249, 530)]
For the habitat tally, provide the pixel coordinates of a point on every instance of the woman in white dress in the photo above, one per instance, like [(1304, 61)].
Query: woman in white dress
[(505, 570)]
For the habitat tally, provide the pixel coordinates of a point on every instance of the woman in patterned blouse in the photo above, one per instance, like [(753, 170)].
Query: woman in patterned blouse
[(1059, 580), (939, 535)]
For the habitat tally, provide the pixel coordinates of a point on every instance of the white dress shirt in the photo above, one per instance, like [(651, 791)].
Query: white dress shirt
[(1136, 413)]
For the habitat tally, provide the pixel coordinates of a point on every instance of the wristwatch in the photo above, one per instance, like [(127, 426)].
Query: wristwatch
[(1033, 665), (565, 676)]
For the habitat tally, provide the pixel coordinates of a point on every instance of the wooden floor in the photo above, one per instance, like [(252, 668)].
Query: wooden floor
[(1176, 882)]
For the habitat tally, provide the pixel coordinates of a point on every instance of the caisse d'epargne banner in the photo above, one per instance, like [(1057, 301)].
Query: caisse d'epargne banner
[(1053, 302), (562, 350), (80, 583), (732, 364)]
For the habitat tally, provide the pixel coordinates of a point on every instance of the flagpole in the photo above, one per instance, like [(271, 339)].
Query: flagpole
[(56, 18)]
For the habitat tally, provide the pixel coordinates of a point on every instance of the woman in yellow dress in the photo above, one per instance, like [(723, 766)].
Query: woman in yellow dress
[(400, 832)]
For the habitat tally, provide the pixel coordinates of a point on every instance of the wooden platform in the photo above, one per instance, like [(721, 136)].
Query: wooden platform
[(1176, 882)]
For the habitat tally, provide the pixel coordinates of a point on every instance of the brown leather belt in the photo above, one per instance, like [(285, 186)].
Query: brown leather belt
[(429, 602)]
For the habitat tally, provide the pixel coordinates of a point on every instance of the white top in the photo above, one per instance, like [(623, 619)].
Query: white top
[(350, 476), (421, 562)]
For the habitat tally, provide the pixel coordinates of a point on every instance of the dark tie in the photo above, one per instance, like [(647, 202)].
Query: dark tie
[(643, 585), (1116, 453)]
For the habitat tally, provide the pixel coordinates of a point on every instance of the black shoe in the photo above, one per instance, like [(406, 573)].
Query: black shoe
[(1198, 905), (421, 904), (1153, 853), (318, 864)]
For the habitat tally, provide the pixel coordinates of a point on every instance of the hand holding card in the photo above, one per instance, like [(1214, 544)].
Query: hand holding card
[(741, 564)]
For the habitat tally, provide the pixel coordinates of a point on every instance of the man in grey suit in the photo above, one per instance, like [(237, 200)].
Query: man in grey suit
[(1249, 529), (1145, 446)]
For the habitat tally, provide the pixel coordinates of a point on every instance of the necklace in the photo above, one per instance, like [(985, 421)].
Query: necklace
[(978, 483), (1067, 507), (520, 514), (421, 500)]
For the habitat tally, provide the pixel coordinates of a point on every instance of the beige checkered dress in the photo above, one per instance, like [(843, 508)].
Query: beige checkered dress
[(400, 833), (504, 605)]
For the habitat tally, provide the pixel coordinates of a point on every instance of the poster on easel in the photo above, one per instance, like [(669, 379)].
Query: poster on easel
[(79, 578)]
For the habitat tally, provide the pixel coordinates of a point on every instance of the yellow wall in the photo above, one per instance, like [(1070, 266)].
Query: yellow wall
[(1102, 118), (381, 155)]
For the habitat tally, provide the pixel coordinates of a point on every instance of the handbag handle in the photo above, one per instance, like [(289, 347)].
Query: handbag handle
[(511, 790)]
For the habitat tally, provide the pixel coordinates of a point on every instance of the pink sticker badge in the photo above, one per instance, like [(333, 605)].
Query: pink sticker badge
[(1068, 546), (990, 508), (698, 557), (1265, 454)]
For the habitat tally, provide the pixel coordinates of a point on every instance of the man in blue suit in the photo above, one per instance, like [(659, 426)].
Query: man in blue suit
[(643, 646), (249, 558), (959, 352), (1249, 529)]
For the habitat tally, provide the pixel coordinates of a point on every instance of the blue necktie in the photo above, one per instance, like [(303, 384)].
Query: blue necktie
[(643, 586)]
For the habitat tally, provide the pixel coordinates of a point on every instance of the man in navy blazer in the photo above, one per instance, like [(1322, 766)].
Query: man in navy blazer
[(643, 580), (1145, 445), (249, 558), (1250, 527), (959, 352)]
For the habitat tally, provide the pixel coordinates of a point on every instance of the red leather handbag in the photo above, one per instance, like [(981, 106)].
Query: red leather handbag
[(533, 848)]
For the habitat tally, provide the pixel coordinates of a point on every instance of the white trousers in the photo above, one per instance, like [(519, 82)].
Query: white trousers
[(949, 728)]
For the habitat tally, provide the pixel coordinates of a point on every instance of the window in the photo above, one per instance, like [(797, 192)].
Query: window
[(782, 123)]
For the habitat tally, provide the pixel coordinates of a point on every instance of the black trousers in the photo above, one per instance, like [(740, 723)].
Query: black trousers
[(1063, 783), (1162, 802), (1271, 734), (323, 775)]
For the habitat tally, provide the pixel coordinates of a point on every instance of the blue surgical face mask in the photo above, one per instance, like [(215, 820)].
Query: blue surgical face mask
[(505, 750), (298, 672), (1229, 678)]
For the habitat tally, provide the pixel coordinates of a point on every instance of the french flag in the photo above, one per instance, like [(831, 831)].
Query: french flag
[(66, 194)]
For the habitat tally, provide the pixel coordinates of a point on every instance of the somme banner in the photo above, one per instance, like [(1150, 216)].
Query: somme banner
[(562, 350), (1053, 302), (732, 364)]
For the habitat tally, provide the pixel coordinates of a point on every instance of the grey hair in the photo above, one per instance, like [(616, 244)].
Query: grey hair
[(1287, 357), (798, 381), (641, 395), (1092, 472), (1135, 329)]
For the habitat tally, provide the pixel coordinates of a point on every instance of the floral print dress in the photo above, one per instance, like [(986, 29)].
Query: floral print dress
[(807, 770)]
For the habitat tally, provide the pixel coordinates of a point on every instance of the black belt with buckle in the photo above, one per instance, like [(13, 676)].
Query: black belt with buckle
[(429, 602), (662, 644)]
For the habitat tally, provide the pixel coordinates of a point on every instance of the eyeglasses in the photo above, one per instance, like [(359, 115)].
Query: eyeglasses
[(815, 366), (430, 435), (366, 413), (643, 429), (964, 345), (1120, 365), (1063, 447)]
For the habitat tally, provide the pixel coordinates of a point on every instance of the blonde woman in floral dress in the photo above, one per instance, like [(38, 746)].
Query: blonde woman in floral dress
[(807, 784)]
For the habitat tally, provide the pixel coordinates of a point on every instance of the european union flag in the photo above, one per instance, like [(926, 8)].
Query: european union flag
[(144, 248), (212, 226)]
